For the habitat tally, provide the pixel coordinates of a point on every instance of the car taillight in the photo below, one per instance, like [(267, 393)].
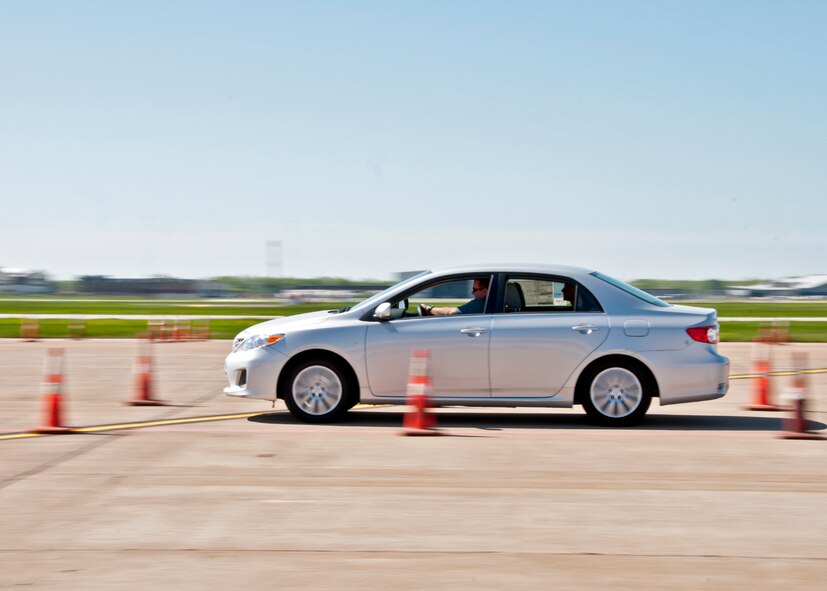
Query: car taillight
[(703, 334)]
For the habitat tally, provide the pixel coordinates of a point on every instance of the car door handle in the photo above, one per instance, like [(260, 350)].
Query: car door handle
[(585, 328), (473, 332)]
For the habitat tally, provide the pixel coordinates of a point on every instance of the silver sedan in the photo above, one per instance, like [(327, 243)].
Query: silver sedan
[(530, 335)]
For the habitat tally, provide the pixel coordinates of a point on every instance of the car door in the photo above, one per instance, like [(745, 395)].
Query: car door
[(458, 347), (539, 339)]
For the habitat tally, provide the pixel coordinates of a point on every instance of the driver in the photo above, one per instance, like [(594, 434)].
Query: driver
[(475, 306)]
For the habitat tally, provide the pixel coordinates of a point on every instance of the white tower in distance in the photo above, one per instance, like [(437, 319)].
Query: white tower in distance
[(275, 258)]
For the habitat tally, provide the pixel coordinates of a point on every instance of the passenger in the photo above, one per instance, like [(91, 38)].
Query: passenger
[(475, 306)]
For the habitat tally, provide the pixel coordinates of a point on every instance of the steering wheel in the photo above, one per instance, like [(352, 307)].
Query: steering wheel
[(423, 311)]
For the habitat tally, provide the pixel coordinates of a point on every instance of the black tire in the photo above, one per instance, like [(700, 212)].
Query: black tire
[(318, 391), (616, 393)]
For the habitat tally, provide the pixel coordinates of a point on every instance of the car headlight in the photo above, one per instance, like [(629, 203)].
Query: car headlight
[(257, 341)]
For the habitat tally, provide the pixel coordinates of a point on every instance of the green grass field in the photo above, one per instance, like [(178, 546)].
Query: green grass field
[(226, 329), (799, 309)]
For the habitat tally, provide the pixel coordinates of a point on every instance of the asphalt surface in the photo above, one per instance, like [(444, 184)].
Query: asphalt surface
[(701, 495)]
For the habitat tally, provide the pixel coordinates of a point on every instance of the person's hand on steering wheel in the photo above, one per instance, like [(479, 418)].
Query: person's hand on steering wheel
[(424, 310)]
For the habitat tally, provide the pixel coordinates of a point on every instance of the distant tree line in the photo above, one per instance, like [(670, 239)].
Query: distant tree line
[(270, 286), (215, 286)]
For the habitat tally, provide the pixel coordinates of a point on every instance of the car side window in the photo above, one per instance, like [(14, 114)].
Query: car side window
[(461, 295), (532, 294), (585, 301)]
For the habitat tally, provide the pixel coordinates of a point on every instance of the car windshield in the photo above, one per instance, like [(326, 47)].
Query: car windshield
[(382, 296), (640, 294)]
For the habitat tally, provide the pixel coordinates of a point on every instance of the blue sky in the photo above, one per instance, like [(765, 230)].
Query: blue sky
[(644, 139)]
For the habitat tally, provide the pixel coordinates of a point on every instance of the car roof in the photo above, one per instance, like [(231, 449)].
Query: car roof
[(544, 268)]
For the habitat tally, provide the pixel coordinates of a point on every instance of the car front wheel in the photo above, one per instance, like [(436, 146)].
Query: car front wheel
[(318, 391), (616, 394)]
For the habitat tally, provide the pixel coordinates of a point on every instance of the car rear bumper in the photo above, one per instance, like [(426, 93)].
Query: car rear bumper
[(697, 374)]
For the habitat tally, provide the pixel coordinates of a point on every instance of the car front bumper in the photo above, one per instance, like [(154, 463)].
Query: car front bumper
[(254, 374)]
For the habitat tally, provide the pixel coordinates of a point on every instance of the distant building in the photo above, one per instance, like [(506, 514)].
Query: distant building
[(150, 286), (809, 286), (24, 282)]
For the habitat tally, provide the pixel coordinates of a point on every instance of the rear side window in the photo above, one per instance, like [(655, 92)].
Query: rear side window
[(642, 295), (586, 302), (546, 294)]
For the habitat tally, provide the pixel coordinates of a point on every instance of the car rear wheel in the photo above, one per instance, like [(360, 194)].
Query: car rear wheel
[(617, 394), (318, 391)]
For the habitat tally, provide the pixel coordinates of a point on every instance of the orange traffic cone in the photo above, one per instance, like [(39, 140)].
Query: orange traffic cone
[(53, 395), (796, 426), (761, 386), (29, 329), (156, 330), (180, 331), (164, 332), (418, 420), (143, 379)]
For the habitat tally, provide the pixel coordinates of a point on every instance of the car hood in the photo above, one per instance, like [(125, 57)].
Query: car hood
[(287, 323)]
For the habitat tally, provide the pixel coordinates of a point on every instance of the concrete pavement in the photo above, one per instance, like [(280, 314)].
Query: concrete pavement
[(700, 496)]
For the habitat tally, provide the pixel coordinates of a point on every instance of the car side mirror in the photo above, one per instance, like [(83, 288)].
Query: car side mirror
[(383, 311)]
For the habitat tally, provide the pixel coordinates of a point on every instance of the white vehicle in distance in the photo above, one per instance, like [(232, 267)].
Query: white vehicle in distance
[(542, 336)]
